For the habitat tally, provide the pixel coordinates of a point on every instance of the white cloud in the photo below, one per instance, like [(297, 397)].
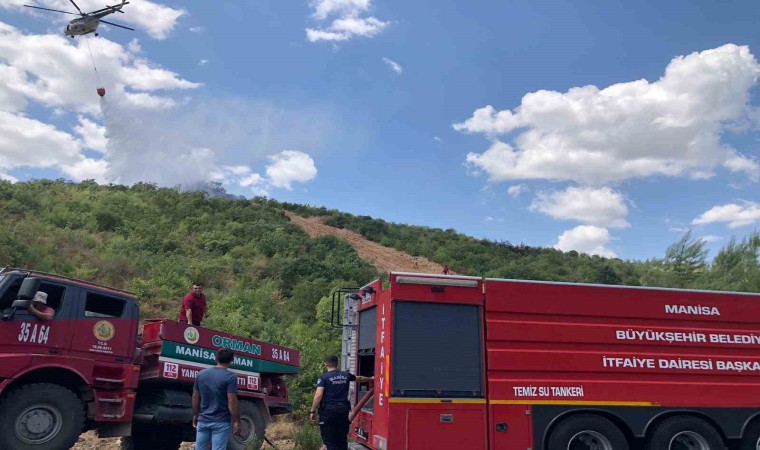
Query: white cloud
[(237, 170), (92, 134), (29, 142), (6, 177), (252, 179), (711, 238), (325, 8), (396, 67), (203, 62), (87, 169), (602, 207), (489, 121), (741, 163), (196, 29), (735, 215), (669, 127), (286, 168), (586, 239), (56, 72), (146, 78), (134, 46), (348, 20), (289, 167), (517, 189), (148, 101), (13, 87), (437, 139), (155, 19)]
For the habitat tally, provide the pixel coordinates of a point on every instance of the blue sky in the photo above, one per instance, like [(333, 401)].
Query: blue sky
[(605, 127)]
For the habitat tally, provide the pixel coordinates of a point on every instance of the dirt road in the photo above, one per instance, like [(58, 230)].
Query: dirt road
[(385, 259), (89, 441)]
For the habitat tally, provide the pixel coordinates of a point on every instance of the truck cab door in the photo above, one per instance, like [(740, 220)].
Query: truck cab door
[(26, 334), (105, 329)]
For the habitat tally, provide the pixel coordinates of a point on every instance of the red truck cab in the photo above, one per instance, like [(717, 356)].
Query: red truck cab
[(88, 368)]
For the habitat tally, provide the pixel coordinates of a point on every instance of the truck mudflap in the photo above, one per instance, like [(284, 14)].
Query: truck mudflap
[(277, 408), (113, 406)]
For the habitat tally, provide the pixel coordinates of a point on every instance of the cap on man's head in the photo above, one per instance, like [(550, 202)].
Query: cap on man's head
[(40, 297)]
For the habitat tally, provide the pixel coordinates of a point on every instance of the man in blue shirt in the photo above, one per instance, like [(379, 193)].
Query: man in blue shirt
[(331, 397), (215, 404)]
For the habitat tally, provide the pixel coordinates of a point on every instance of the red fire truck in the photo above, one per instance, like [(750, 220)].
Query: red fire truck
[(89, 369), (471, 363)]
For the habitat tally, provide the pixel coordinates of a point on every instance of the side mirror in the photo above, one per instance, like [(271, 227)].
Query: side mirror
[(21, 304), (29, 287)]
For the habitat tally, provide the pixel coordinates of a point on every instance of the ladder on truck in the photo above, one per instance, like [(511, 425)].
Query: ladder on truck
[(349, 336)]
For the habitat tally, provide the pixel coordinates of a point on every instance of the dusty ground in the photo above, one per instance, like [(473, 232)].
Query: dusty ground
[(89, 441), (385, 259)]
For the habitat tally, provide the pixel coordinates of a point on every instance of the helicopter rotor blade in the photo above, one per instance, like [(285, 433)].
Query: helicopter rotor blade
[(77, 7), (117, 25), (54, 10)]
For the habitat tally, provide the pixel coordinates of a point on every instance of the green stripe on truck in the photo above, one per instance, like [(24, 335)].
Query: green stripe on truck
[(203, 355)]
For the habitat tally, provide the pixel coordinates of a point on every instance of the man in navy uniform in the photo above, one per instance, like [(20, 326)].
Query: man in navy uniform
[(331, 399)]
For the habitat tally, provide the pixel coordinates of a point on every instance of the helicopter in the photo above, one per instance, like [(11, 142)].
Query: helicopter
[(89, 22)]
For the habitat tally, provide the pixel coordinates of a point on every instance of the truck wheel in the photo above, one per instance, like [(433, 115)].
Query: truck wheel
[(40, 415), (150, 438), (751, 438), (252, 427), (587, 432), (685, 433)]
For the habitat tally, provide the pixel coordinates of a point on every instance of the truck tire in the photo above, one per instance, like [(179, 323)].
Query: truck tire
[(252, 428), (587, 432), (40, 415), (685, 432), (751, 438), (150, 438)]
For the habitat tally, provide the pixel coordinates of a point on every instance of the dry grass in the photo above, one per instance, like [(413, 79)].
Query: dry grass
[(280, 432), (282, 428)]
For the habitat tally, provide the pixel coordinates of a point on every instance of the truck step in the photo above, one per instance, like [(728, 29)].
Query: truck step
[(352, 446), (109, 380)]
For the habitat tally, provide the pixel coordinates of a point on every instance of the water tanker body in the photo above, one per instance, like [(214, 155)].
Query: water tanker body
[(89, 368), (466, 362)]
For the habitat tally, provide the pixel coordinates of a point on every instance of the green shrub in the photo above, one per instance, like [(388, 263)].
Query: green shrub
[(308, 438)]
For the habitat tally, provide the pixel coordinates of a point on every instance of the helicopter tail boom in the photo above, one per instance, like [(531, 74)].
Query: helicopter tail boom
[(110, 9)]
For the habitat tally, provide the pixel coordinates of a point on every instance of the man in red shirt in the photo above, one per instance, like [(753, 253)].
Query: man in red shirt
[(193, 308)]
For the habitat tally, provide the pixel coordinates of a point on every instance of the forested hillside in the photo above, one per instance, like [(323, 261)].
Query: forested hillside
[(265, 277)]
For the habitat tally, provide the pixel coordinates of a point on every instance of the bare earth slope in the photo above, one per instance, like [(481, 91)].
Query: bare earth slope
[(384, 258)]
